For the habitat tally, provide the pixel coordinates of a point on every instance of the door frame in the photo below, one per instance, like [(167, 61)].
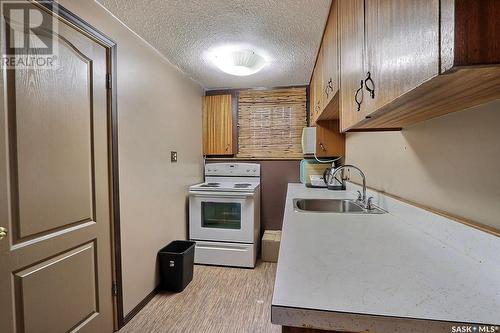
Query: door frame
[(76, 22)]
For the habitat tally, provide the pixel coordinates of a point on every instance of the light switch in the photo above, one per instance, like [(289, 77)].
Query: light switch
[(173, 156)]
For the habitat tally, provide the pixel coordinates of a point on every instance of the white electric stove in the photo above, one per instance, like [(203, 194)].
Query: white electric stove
[(224, 215)]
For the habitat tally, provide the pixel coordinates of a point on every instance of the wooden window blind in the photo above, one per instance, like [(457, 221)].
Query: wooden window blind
[(270, 123)]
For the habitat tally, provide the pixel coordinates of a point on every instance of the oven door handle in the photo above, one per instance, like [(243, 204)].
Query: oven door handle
[(224, 247), (231, 195)]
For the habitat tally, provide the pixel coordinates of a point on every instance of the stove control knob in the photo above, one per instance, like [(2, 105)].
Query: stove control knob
[(248, 170)]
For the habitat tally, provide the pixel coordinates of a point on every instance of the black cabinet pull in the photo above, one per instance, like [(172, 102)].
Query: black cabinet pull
[(370, 89), (328, 87), (360, 89)]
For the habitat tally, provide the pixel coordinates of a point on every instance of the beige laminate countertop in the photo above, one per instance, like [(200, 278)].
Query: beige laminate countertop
[(404, 270)]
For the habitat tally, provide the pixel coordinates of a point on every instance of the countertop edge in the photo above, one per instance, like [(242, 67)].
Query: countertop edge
[(353, 322)]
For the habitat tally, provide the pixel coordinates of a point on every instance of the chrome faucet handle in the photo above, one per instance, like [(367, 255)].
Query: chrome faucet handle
[(360, 196), (369, 203)]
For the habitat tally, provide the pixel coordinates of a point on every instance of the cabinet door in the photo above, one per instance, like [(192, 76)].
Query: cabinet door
[(217, 125), (330, 56), (351, 26), (402, 46), (318, 73), (329, 141), (316, 99), (312, 101)]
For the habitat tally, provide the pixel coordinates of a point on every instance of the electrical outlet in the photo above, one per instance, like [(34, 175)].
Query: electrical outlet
[(173, 156)]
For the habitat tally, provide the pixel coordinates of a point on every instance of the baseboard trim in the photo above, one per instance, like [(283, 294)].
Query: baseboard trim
[(140, 306)]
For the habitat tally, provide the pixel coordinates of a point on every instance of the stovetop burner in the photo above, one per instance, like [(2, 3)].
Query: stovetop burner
[(210, 185), (242, 185)]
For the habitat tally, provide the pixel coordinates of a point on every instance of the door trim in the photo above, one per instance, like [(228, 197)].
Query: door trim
[(111, 54)]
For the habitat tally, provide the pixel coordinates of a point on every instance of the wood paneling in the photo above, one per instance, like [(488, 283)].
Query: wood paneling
[(402, 48), (330, 142), (219, 299), (217, 125), (351, 21), (477, 32)]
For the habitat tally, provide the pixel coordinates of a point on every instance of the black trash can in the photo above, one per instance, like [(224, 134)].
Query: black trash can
[(176, 265)]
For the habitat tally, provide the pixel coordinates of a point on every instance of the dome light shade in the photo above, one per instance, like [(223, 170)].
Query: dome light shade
[(238, 62)]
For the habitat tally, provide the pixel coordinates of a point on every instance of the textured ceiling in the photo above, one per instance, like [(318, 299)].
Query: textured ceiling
[(288, 32)]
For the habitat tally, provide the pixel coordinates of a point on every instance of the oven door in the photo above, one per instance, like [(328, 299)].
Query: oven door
[(221, 216)]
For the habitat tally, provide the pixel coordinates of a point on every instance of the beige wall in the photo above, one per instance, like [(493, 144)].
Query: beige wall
[(451, 163), (159, 111)]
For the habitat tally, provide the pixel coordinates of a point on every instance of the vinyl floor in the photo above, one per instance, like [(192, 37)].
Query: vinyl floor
[(219, 299)]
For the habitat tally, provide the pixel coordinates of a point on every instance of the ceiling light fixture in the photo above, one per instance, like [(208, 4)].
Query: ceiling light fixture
[(240, 62)]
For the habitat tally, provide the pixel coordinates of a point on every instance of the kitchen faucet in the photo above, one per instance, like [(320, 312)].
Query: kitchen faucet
[(362, 197)]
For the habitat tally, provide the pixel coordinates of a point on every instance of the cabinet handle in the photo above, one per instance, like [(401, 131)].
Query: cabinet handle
[(322, 146), (371, 89), (330, 84), (360, 89), (328, 87)]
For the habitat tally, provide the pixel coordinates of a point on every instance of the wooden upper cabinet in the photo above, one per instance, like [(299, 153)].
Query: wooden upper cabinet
[(330, 63), (312, 102), (402, 48), (318, 78), (425, 58), (329, 141), (352, 70), (316, 101), (325, 78), (217, 125)]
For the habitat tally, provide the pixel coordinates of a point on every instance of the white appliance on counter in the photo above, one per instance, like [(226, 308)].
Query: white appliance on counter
[(309, 140), (224, 215)]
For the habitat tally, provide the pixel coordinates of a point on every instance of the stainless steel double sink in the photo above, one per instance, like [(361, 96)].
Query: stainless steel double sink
[(345, 206)]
